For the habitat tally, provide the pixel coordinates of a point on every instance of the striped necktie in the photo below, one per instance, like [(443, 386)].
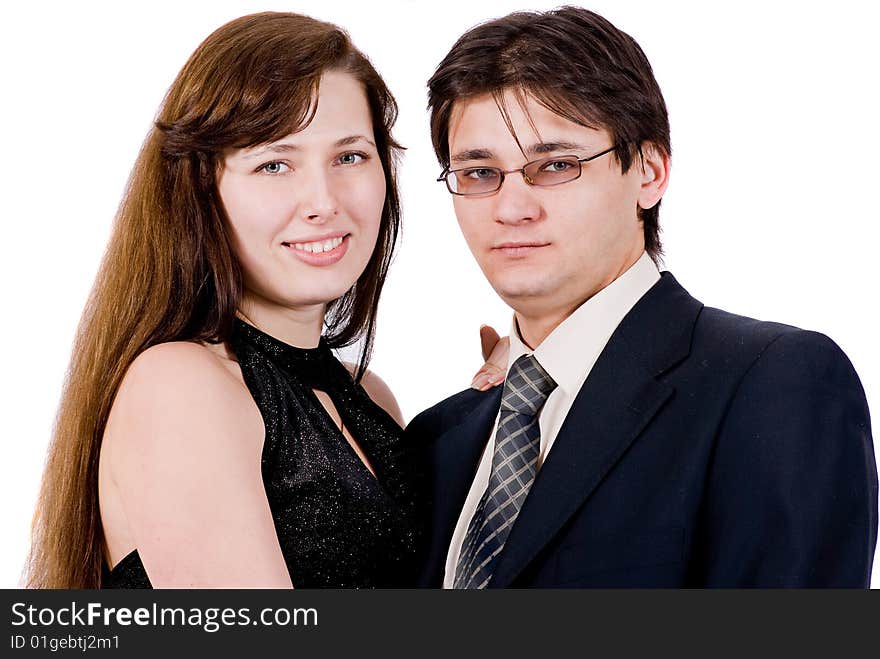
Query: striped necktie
[(514, 465)]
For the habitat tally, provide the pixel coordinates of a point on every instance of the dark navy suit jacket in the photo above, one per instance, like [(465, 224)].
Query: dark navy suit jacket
[(704, 449)]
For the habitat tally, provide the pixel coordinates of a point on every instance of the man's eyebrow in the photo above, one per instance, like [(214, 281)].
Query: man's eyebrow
[(537, 149), (542, 148), (287, 147), (472, 154)]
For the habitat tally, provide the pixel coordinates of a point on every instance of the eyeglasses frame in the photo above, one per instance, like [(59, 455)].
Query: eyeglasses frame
[(522, 170)]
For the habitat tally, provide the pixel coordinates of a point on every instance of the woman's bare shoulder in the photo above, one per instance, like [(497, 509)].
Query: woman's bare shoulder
[(192, 360), (181, 389), (178, 366)]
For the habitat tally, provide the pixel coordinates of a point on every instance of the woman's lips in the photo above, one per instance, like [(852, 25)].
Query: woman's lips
[(322, 258)]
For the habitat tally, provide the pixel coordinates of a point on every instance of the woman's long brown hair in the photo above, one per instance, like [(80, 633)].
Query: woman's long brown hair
[(169, 272)]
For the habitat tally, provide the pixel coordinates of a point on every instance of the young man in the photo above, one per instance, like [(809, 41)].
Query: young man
[(640, 439)]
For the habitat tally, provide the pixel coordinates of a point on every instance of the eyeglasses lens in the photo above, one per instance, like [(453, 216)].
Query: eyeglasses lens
[(553, 171)]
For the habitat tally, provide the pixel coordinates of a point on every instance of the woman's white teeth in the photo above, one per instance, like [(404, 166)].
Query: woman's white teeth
[(319, 246)]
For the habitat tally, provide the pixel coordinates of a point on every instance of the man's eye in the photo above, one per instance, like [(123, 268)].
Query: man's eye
[(555, 166), (480, 173), (274, 167)]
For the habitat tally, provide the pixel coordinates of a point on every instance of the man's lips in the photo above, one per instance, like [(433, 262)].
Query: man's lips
[(518, 248)]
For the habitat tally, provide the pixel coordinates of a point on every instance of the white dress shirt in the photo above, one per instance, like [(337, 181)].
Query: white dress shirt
[(568, 355)]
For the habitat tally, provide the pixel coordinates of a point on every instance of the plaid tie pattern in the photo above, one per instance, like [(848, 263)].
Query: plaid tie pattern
[(514, 464)]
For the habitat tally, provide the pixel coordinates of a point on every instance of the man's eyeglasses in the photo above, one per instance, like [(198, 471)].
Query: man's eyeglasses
[(543, 173)]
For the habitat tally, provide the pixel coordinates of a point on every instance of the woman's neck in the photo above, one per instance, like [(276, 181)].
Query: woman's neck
[(296, 326)]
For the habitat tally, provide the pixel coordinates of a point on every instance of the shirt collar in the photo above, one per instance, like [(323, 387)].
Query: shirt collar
[(570, 350)]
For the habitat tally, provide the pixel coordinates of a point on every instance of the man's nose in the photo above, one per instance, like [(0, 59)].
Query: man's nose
[(516, 201)]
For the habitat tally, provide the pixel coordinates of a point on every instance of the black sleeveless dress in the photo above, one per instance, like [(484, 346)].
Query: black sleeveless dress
[(338, 526)]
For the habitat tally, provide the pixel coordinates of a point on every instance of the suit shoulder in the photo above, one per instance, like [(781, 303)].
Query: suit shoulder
[(741, 338), (724, 327), (807, 357), (773, 363), (730, 346), (448, 413)]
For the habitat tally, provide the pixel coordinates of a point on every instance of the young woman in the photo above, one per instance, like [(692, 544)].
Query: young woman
[(207, 436)]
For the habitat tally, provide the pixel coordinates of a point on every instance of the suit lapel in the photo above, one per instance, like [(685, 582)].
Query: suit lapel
[(614, 405), (455, 455), (619, 398)]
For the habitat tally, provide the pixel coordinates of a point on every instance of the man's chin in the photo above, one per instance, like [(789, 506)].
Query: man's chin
[(519, 293)]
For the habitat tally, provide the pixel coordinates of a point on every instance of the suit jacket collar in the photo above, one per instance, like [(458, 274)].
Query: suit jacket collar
[(659, 328)]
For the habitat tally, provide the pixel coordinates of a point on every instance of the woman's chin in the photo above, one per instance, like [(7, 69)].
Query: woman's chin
[(317, 296)]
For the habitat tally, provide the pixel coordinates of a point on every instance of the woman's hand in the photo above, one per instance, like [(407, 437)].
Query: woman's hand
[(495, 351)]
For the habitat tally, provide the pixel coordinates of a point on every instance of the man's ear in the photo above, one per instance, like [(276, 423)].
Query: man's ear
[(654, 164)]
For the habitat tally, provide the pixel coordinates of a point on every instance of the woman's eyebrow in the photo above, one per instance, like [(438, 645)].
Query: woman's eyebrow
[(351, 139), (277, 147), (286, 147)]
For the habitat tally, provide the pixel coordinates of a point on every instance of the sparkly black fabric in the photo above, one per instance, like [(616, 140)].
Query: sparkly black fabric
[(338, 526)]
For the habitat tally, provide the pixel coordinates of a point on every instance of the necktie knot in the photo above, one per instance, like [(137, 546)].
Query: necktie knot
[(527, 387)]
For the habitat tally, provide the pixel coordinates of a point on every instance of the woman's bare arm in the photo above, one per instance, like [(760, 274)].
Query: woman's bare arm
[(182, 451)]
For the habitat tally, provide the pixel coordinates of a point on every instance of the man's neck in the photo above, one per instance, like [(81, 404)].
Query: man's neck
[(533, 330), (536, 325)]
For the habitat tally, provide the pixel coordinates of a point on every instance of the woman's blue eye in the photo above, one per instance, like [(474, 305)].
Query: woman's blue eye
[(351, 158), (273, 167)]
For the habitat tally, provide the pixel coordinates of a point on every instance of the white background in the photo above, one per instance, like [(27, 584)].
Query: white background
[(772, 210)]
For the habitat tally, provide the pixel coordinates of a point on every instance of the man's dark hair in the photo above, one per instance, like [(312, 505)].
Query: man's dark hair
[(572, 61)]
